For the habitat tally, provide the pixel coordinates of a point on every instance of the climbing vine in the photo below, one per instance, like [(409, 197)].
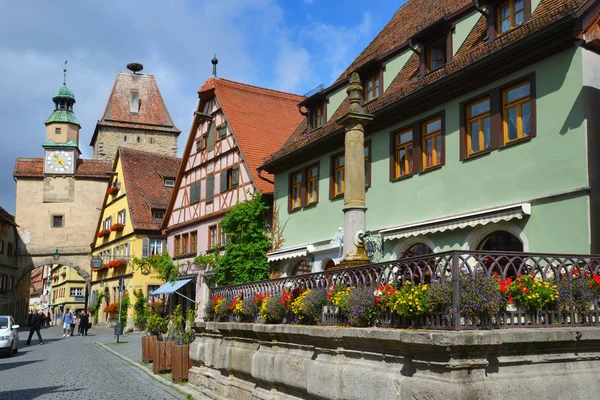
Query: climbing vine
[(162, 264)]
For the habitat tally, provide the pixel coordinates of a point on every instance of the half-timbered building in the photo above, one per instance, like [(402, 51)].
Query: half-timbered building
[(235, 127)]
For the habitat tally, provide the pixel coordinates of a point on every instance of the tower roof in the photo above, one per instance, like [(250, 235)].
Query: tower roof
[(63, 100), (152, 114)]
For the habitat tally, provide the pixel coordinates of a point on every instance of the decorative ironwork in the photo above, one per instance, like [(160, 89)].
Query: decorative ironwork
[(447, 267)]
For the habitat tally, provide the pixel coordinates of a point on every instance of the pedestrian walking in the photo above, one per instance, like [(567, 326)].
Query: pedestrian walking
[(84, 322), (67, 319), (74, 322), (34, 322)]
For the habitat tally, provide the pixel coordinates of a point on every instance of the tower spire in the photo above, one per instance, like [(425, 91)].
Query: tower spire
[(214, 62), (65, 74)]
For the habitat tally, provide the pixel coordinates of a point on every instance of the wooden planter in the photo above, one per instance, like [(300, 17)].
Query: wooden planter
[(162, 356), (180, 362), (148, 348)]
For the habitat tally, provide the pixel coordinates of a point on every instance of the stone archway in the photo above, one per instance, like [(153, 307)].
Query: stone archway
[(40, 262)]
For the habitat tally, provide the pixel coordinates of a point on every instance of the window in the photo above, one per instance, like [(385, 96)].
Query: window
[(312, 192), (155, 246), (107, 223), (517, 112), (210, 188), (57, 131), (210, 136), (478, 126), (432, 143), (57, 221), (222, 130), (510, 15), (296, 197), (152, 288), (176, 245), (124, 138), (184, 244), (169, 183), (213, 238), (76, 292), (158, 215), (9, 249), (223, 239), (230, 179), (134, 102), (195, 193), (338, 175), (301, 268), (200, 145), (122, 217), (317, 118), (371, 88), (138, 139), (501, 241), (194, 242), (403, 151), (436, 56)]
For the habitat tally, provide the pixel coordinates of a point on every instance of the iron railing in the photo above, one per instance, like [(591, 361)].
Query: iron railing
[(447, 267)]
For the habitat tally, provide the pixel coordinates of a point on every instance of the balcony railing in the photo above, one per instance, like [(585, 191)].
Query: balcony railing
[(451, 268)]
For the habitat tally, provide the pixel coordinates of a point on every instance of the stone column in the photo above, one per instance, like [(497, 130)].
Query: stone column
[(354, 180)]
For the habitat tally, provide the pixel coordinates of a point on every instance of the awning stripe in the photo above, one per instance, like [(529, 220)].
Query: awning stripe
[(170, 287), (458, 222), (289, 253)]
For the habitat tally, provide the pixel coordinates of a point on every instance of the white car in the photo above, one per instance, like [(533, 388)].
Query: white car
[(9, 335)]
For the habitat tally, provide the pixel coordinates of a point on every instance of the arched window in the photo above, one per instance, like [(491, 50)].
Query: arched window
[(330, 265), (501, 241), (301, 268), (419, 249)]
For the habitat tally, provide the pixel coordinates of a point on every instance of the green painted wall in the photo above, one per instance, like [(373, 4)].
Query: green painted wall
[(463, 27), (393, 68), (552, 162), (334, 101)]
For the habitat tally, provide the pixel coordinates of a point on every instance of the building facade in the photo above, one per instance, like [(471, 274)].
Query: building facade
[(135, 116), (67, 291), (9, 304), (482, 137), (129, 225), (235, 126)]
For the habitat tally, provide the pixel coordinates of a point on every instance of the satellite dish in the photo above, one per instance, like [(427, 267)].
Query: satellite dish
[(135, 67)]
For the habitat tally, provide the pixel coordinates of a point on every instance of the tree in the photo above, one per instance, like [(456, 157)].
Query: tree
[(245, 257)]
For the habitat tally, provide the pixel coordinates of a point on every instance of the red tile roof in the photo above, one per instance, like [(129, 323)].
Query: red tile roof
[(143, 174), (7, 217), (406, 22), (153, 114), (34, 168), (261, 120)]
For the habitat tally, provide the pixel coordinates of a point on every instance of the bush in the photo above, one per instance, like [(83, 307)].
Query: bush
[(412, 300), (532, 293), (308, 306), (576, 295), (479, 293), (360, 307), (157, 325), (272, 310), (440, 297), (140, 308)]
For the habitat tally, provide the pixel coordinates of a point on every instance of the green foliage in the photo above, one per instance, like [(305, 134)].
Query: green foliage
[(157, 324), (245, 257), (204, 261), (140, 308), (99, 297), (183, 328), (125, 303), (162, 264)]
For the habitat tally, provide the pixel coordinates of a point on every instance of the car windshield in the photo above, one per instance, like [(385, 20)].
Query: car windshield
[(3, 322)]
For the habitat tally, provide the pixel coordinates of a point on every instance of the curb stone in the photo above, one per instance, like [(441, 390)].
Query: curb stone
[(186, 390)]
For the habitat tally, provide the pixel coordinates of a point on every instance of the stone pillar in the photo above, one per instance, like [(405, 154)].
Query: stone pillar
[(354, 176)]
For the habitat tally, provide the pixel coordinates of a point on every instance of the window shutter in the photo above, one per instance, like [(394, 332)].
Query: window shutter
[(195, 193), (235, 176), (145, 247), (224, 174), (223, 131), (210, 188), (417, 156), (124, 217), (211, 137), (496, 128)]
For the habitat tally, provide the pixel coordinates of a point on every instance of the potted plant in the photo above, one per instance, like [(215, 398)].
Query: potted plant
[(161, 357), (183, 333), (117, 227), (103, 233), (113, 190)]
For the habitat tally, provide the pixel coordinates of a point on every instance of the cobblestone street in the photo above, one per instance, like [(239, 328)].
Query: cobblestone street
[(77, 367)]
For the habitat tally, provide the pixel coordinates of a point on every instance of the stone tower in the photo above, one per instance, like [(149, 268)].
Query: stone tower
[(135, 116)]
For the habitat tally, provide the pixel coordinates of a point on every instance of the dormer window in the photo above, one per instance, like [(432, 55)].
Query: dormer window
[(436, 56), (510, 15), (134, 102), (371, 88), (158, 215), (317, 118), (169, 182)]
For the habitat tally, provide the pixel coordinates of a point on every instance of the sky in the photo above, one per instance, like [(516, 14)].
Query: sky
[(289, 45)]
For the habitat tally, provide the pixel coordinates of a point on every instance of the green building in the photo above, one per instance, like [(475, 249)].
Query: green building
[(484, 135)]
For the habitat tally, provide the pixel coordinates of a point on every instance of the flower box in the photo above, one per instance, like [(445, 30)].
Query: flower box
[(180, 362), (148, 348), (104, 233), (117, 263), (117, 227), (162, 356), (113, 190)]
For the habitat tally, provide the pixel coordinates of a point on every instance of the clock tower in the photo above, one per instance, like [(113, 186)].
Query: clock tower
[(61, 148)]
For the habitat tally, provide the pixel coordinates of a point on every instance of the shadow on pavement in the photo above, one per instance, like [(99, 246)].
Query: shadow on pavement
[(30, 394), (7, 366)]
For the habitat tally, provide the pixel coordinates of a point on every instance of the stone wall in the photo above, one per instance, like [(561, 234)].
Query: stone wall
[(258, 361), (110, 138)]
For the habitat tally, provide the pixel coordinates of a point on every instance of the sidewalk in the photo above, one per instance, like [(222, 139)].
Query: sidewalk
[(129, 349)]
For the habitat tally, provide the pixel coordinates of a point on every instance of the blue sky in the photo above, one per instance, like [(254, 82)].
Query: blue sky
[(290, 45)]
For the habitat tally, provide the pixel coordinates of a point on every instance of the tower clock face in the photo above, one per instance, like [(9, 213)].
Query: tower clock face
[(59, 161)]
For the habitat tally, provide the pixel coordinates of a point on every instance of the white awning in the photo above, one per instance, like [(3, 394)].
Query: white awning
[(290, 252), (170, 287), (457, 222)]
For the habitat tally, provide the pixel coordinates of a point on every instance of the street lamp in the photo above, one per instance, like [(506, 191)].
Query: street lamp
[(56, 254)]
